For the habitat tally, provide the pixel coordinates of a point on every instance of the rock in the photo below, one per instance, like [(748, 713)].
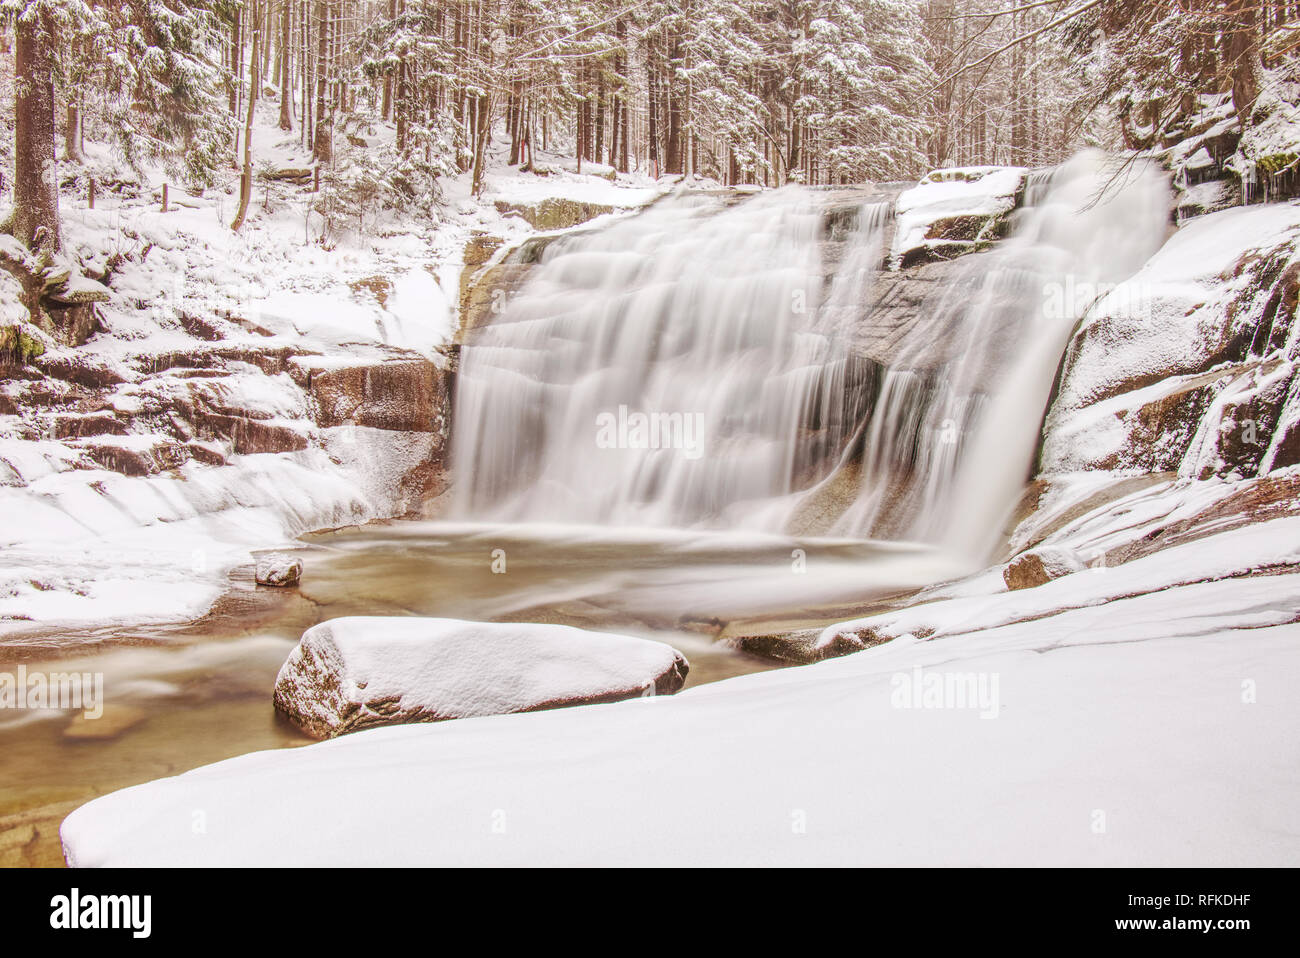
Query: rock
[(955, 211), (278, 569), (1039, 566), (480, 248), (298, 176), (251, 436), (134, 455), (81, 371), (554, 212), (116, 720), (380, 287), (94, 424), (405, 394), (803, 646), (74, 323), (354, 673), (207, 453), (485, 292), (76, 289)]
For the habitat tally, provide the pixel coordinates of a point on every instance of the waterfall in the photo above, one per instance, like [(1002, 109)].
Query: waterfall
[(702, 364), (677, 368)]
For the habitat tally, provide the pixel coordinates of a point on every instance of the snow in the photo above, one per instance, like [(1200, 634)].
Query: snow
[(1166, 321), (1232, 553), (422, 669), (984, 191), (815, 765), (586, 188), (96, 547)]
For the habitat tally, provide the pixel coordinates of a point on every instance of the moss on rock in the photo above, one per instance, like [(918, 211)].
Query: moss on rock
[(18, 347)]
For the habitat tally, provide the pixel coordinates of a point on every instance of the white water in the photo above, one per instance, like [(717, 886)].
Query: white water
[(693, 367), (711, 320)]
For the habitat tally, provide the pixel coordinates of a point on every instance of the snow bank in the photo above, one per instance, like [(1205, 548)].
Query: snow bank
[(569, 186), (88, 546), (1151, 731), (360, 672), (1233, 553)]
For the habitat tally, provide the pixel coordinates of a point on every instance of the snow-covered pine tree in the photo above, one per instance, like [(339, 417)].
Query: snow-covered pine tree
[(161, 84)]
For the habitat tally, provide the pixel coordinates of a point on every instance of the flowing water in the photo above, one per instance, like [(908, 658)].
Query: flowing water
[(694, 367), (673, 429)]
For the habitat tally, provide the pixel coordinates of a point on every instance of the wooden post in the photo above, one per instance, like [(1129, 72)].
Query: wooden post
[(315, 185), (90, 194), (164, 207)]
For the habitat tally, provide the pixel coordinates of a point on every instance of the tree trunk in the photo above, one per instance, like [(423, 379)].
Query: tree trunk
[(286, 78), (254, 81), (35, 221), (652, 82), (480, 142), (1243, 57), (70, 130), (322, 151)]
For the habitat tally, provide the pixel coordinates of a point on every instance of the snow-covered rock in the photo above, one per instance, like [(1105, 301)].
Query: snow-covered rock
[(360, 672), (278, 569), (1187, 366), (953, 211), (1036, 567)]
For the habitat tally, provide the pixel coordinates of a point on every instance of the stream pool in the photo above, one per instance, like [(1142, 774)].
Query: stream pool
[(183, 696)]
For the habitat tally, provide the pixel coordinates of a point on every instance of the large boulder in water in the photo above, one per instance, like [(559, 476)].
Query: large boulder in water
[(360, 672)]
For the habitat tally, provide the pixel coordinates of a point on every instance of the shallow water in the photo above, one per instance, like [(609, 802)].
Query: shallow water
[(183, 697)]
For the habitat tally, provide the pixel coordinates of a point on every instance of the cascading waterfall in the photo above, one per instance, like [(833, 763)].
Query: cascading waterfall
[(951, 438), (677, 368), (698, 365)]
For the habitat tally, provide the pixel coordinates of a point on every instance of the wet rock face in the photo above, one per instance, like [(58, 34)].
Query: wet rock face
[(146, 458), (354, 673), (803, 646), (403, 395)]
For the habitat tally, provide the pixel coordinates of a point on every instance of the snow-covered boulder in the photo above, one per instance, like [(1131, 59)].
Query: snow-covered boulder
[(1187, 366), (360, 672), (1036, 567), (954, 211), (278, 569)]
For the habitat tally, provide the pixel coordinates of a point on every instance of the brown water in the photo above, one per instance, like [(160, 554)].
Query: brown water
[(182, 697)]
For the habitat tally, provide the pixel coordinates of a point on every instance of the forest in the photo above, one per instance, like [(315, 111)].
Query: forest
[(763, 92)]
